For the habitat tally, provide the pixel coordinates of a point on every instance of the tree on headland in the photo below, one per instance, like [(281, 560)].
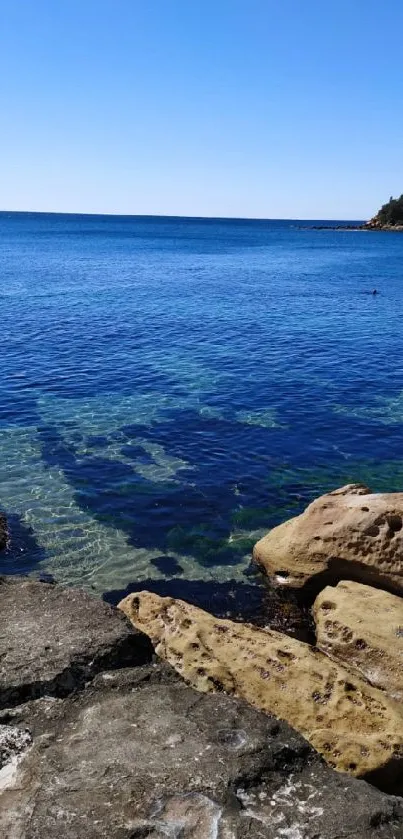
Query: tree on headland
[(391, 213)]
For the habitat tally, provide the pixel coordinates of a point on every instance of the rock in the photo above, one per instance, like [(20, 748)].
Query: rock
[(255, 603), (354, 726), (13, 741), (362, 627), (347, 534), (3, 531), (134, 753), (53, 639), (138, 755)]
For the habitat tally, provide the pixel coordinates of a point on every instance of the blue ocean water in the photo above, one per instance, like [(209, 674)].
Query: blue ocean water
[(172, 388)]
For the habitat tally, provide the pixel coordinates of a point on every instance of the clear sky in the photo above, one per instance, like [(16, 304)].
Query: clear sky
[(251, 108)]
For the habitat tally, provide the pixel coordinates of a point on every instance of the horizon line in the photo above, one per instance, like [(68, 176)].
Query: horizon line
[(173, 216)]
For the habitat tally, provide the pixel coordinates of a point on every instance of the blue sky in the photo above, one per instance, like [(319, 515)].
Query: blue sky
[(252, 108)]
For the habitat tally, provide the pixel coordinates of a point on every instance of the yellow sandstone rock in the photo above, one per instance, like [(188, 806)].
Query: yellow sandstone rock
[(349, 533), (362, 627), (354, 726)]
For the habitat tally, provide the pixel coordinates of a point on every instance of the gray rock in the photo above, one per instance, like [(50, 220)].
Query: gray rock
[(93, 746), (53, 639), (139, 755), (13, 741)]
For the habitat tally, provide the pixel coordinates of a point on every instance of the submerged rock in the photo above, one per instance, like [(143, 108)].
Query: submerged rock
[(3, 531), (54, 639), (362, 627), (350, 533), (354, 726), (138, 755)]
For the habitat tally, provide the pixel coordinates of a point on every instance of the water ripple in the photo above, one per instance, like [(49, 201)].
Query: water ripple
[(172, 388)]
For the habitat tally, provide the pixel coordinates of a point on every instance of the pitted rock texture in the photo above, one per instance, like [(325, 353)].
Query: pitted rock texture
[(347, 534), (362, 627), (138, 755), (354, 726), (53, 639)]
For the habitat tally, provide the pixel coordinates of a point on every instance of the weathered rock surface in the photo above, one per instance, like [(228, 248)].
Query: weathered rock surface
[(354, 726), (362, 627), (138, 755), (13, 741), (347, 534), (53, 639), (3, 531)]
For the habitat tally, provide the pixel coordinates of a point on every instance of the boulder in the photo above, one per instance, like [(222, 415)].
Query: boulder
[(138, 755), (362, 627), (354, 726), (347, 534), (54, 639)]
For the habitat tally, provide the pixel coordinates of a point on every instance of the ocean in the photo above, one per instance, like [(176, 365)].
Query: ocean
[(172, 388)]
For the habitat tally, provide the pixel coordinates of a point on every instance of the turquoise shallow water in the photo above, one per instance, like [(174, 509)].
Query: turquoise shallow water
[(171, 388)]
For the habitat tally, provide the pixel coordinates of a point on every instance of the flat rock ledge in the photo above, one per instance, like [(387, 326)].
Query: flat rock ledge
[(123, 749), (54, 639)]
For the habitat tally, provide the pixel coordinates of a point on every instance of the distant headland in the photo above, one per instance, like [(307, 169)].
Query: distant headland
[(389, 217)]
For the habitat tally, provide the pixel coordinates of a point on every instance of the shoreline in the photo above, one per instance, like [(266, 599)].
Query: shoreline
[(157, 713), (384, 228)]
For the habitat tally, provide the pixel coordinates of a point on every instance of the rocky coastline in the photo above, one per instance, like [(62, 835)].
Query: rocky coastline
[(369, 225), (389, 219), (157, 719)]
